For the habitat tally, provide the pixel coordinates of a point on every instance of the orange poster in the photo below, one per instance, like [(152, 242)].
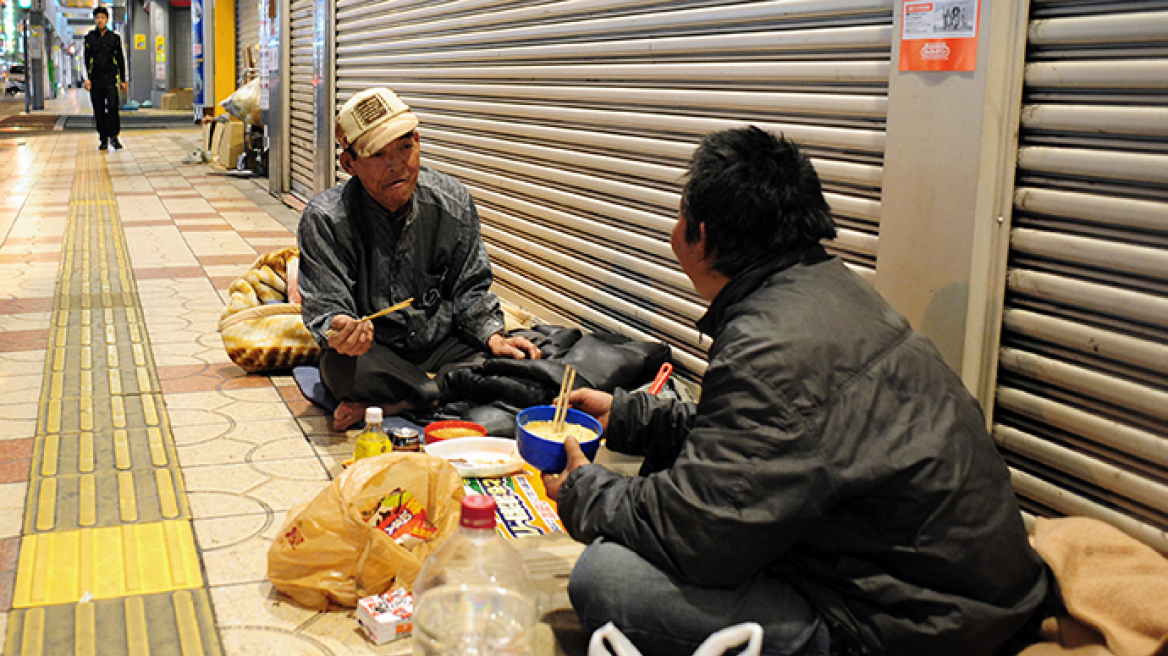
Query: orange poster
[(939, 35)]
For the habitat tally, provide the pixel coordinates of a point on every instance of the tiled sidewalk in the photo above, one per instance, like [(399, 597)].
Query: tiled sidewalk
[(249, 447)]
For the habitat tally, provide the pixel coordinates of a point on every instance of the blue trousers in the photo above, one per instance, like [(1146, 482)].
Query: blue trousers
[(664, 617)]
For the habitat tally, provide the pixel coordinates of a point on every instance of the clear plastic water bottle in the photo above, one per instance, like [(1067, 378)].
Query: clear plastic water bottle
[(372, 441), (475, 595)]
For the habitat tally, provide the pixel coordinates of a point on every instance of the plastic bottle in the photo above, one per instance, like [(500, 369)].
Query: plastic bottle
[(372, 441), (475, 595)]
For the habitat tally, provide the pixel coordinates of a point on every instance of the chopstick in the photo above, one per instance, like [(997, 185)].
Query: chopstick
[(562, 400), (378, 314)]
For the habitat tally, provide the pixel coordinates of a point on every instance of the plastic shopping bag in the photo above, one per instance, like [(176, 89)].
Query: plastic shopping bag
[(715, 645), (327, 552)]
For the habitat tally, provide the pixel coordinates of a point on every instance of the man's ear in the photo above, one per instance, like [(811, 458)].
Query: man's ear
[(347, 162), (707, 248)]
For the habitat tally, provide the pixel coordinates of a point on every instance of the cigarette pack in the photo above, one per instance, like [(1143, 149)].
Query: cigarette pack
[(387, 616)]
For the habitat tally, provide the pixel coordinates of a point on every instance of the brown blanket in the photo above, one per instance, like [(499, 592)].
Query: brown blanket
[(1114, 587)]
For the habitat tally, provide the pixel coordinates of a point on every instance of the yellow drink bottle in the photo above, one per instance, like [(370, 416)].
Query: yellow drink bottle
[(372, 441)]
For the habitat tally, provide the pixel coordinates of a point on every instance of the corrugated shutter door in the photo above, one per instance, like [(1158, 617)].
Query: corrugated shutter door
[(180, 30), (302, 148), (247, 33), (571, 123), (1082, 400)]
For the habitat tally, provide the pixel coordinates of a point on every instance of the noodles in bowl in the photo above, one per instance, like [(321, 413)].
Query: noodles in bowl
[(546, 430), (545, 451)]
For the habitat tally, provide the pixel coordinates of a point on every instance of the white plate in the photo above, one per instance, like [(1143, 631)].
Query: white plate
[(479, 457)]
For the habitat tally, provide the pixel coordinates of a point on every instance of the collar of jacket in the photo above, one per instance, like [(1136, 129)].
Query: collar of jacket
[(398, 218), (741, 285)]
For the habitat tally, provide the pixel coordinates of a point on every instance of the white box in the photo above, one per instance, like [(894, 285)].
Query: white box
[(387, 616)]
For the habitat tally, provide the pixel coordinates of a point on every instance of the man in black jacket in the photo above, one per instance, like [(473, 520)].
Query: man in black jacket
[(835, 484), (105, 67)]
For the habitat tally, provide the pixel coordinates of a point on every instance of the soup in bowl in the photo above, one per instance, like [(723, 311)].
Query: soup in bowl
[(544, 449)]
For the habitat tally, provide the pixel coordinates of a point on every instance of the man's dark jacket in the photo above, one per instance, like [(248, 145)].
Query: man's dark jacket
[(833, 448), (104, 60)]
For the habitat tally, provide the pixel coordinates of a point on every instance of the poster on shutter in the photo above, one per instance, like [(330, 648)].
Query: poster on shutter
[(197, 55), (939, 35)]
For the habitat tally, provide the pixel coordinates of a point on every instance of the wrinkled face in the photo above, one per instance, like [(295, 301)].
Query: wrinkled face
[(391, 174), (100, 20)]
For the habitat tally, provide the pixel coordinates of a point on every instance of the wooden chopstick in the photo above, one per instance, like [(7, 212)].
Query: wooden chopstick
[(378, 314), (562, 404), (560, 399)]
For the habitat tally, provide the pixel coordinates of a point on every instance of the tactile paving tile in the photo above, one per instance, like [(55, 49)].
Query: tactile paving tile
[(114, 561), (176, 623), (107, 546)]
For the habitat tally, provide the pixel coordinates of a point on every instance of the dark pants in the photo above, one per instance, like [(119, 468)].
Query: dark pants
[(105, 109), (665, 617), (383, 376)]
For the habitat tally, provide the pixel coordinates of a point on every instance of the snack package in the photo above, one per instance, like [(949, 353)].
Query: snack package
[(402, 518), (387, 616)]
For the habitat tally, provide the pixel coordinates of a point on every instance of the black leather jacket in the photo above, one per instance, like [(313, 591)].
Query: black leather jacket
[(833, 447)]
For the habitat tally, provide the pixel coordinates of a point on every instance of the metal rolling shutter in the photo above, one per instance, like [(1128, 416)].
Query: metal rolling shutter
[(302, 137), (182, 73), (571, 123), (247, 33), (1082, 400)]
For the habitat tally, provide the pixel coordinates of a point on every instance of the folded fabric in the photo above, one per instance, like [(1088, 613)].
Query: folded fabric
[(261, 331), (1113, 587), (603, 361)]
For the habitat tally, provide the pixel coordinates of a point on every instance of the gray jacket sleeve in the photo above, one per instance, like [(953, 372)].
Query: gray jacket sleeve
[(738, 495), (327, 275)]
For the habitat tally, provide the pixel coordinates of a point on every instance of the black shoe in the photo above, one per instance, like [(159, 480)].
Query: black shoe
[(104, 145), (116, 144)]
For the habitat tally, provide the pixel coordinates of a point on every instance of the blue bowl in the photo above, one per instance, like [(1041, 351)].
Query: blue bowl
[(549, 455)]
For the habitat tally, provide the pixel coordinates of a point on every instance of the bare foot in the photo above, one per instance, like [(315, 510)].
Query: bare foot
[(347, 414)]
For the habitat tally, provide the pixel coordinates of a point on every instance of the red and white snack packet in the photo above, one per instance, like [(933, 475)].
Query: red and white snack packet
[(387, 616)]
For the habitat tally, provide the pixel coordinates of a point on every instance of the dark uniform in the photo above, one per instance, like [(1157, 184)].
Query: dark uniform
[(106, 66)]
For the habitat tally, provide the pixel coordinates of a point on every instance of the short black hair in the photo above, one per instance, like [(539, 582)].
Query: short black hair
[(100, 10), (757, 195)]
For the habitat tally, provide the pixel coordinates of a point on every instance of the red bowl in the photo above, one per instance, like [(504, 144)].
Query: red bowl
[(453, 429)]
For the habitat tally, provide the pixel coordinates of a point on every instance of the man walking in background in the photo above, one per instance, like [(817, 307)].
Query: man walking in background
[(105, 68)]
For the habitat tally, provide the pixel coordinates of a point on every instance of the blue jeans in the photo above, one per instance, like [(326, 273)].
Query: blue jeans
[(665, 617)]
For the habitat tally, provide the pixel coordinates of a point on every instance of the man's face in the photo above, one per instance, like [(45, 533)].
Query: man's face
[(391, 174), (100, 20)]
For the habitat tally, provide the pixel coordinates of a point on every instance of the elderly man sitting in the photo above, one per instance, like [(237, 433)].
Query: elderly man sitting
[(394, 231)]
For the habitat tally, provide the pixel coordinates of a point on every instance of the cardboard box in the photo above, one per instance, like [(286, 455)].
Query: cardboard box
[(227, 144), (169, 101), (184, 98), (387, 616)]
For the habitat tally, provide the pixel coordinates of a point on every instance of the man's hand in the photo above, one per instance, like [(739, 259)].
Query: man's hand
[(516, 347), (125, 87), (351, 337), (593, 402), (576, 459), (88, 85)]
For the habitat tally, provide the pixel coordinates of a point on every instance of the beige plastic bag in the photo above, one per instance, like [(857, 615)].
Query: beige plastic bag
[(325, 551)]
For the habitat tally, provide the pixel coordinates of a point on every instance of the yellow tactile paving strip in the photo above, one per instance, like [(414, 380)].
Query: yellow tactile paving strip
[(108, 543)]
